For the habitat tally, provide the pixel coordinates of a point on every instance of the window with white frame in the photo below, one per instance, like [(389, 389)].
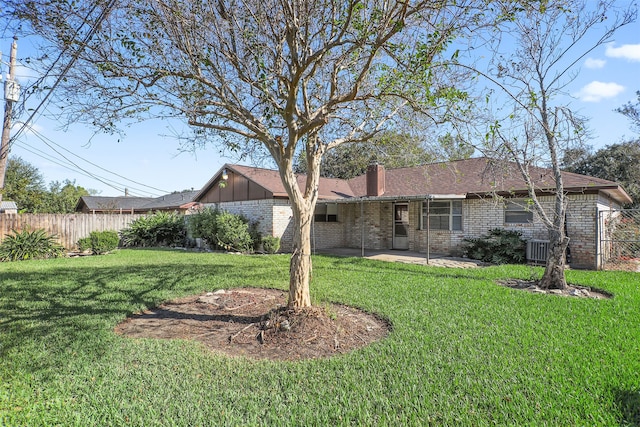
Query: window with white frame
[(327, 212), (442, 215), (517, 212)]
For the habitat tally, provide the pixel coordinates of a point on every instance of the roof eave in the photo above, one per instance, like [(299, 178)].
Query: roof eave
[(397, 198)]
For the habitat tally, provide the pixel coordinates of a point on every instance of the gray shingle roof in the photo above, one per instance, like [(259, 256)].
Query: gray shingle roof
[(6, 205), (173, 200), (168, 201), (100, 203)]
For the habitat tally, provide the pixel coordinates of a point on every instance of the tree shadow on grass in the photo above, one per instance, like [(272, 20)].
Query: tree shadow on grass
[(44, 316), (628, 403)]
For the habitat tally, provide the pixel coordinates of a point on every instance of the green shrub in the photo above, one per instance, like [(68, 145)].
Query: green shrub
[(103, 241), (233, 232), (256, 237), (204, 225), (84, 244), (498, 246), (224, 230), (159, 229), (271, 244), (28, 244)]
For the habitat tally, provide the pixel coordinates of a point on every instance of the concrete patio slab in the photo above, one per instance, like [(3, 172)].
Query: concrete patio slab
[(409, 257)]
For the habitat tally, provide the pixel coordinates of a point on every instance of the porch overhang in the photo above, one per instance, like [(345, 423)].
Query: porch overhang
[(393, 199), (356, 200)]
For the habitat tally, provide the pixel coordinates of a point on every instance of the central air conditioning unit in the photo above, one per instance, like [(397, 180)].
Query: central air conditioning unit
[(537, 251)]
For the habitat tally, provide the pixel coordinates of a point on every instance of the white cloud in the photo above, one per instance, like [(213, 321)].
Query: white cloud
[(29, 130), (597, 91), (594, 63), (630, 52)]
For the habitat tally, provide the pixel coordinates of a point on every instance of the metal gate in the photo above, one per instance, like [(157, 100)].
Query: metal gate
[(620, 239)]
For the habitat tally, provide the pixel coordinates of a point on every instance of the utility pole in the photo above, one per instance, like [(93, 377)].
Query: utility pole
[(11, 94)]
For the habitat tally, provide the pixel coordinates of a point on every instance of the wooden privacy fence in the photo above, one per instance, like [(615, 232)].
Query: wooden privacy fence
[(68, 228)]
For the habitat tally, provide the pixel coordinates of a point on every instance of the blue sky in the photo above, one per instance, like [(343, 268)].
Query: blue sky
[(148, 156)]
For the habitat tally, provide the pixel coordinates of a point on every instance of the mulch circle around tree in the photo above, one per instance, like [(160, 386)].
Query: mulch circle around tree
[(568, 291), (255, 323)]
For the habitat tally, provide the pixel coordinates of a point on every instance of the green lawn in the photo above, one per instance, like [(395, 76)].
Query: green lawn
[(463, 351)]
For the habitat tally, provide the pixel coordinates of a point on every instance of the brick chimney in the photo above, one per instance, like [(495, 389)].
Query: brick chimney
[(375, 180)]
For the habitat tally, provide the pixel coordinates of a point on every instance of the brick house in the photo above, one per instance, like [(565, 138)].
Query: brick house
[(428, 209)]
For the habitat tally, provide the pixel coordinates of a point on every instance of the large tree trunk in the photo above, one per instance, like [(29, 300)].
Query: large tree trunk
[(303, 202), (554, 277), (300, 267)]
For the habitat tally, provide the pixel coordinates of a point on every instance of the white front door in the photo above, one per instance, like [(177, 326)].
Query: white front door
[(401, 226)]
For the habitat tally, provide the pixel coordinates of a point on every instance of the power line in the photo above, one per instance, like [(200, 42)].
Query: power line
[(108, 182), (103, 15), (48, 141), (93, 29), (76, 168), (26, 124)]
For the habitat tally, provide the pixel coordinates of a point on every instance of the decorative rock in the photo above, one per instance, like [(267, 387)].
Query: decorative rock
[(285, 325)]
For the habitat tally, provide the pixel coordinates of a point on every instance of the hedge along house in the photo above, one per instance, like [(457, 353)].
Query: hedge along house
[(428, 209)]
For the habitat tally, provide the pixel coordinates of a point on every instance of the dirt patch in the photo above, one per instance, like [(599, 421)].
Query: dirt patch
[(254, 323), (568, 291)]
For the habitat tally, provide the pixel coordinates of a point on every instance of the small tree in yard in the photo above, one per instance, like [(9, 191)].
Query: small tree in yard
[(533, 58), (273, 76)]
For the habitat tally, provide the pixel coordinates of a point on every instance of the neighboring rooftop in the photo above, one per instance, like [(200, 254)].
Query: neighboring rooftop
[(8, 207), (173, 201)]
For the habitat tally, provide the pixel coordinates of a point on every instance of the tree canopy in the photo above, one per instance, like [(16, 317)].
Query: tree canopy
[(632, 111), (616, 162), (63, 197), (25, 185), (391, 149)]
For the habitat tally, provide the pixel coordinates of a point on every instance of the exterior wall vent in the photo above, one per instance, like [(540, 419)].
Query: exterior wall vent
[(537, 251)]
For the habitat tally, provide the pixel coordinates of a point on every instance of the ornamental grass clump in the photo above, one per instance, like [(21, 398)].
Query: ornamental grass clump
[(27, 244)]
